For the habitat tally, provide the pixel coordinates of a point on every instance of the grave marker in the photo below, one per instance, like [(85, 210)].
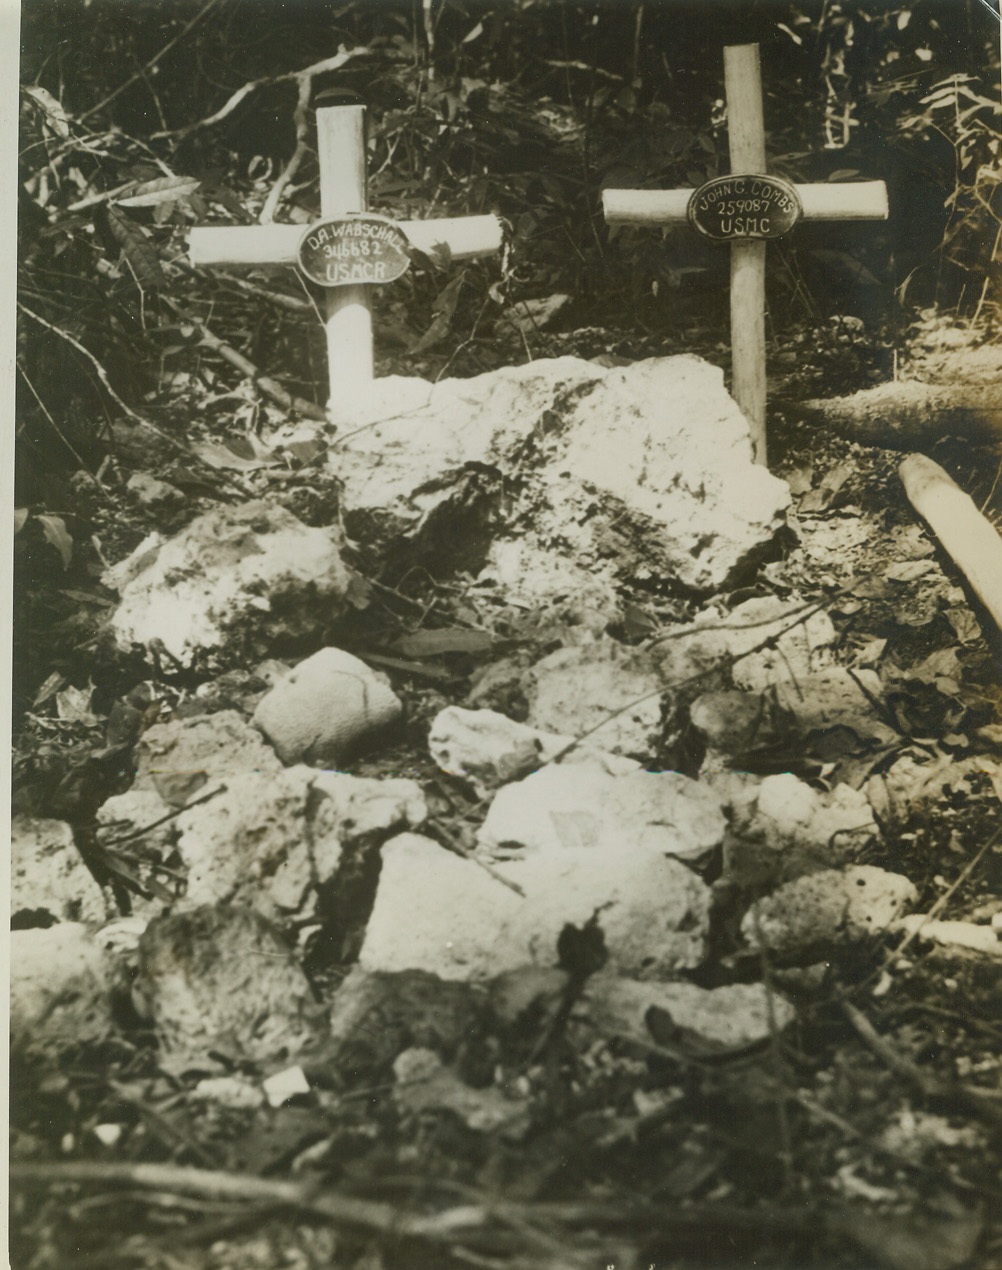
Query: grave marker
[(348, 250), (745, 209)]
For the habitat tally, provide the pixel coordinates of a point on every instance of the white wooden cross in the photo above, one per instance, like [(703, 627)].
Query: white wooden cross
[(745, 209), (330, 251)]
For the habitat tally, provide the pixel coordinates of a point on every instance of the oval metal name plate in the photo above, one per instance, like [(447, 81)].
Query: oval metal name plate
[(360, 248), (740, 207)]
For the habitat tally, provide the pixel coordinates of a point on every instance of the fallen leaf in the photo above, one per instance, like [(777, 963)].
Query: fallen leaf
[(48, 689), (178, 788), (909, 570), (965, 625), (73, 705), (165, 189), (221, 456), (56, 533)]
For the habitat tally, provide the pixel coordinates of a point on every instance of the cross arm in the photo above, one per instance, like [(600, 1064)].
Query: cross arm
[(466, 237), (862, 200)]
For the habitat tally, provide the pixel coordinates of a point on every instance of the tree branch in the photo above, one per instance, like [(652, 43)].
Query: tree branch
[(144, 70), (270, 387), (333, 63)]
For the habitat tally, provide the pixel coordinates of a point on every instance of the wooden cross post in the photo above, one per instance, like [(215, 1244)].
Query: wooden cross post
[(745, 209), (347, 251)]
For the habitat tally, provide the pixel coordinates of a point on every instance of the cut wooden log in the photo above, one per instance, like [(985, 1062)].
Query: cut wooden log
[(899, 415), (970, 538)]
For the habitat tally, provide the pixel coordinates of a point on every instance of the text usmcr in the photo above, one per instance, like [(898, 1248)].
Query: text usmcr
[(355, 251)]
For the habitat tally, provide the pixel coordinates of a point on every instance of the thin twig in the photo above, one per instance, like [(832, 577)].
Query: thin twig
[(305, 90), (162, 820), (977, 1102), (291, 302), (334, 63), (144, 70), (58, 431), (270, 387), (950, 891), (365, 1215), (453, 844), (102, 375)]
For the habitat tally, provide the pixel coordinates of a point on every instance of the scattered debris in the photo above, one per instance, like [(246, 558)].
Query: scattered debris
[(425, 1084)]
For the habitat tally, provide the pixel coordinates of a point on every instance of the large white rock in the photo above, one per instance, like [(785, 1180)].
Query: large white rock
[(826, 907), (60, 983), (47, 874), (728, 640), (731, 1016), (602, 692), (583, 807), (438, 912), (488, 749), (642, 470), (326, 709), (177, 758), (237, 579), (220, 981), (269, 842)]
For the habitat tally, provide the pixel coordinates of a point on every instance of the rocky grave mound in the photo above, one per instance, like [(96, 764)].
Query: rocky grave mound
[(603, 845)]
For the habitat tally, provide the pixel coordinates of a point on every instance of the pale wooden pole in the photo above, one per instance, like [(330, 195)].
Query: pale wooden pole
[(970, 538), (343, 189), (746, 140)]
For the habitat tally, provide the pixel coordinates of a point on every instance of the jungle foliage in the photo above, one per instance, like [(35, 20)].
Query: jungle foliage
[(141, 119)]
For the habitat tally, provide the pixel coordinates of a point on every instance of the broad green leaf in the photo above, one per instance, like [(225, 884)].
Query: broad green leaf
[(56, 533), (137, 249), (221, 456), (55, 115), (163, 190)]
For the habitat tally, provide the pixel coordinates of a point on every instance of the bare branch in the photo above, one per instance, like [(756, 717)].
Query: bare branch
[(334, 63), (270, 387), (144, 70), (102, 375)]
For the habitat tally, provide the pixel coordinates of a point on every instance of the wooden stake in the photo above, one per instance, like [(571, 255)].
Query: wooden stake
[(970, 538), (343, 188), (746, 140)]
